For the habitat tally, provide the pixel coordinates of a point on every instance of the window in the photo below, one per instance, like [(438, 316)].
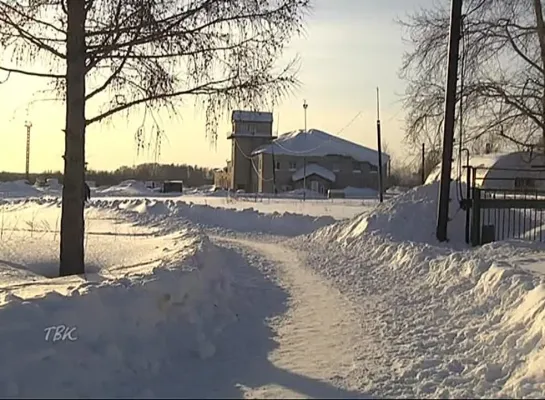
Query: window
[(373, 168), (293, 165), (260, 163), (525, 183), (252, 129), (277, 165)]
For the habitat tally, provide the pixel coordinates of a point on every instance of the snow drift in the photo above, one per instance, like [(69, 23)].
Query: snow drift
[(130, 332), (360, 193), (467, 322), (125, 188), (410, 216), (18, 189), (248, 220)]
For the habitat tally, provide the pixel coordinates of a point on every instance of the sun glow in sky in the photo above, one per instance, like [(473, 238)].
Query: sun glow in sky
[(350, 47)]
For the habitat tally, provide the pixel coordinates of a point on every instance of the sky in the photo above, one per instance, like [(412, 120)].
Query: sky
[(350, 48)]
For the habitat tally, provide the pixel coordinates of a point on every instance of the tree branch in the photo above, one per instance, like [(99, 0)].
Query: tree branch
[(7, 77), (32, 19), (202, 89), (32, 73), (27, 36)]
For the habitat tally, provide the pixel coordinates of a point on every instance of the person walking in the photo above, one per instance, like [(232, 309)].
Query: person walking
[(87, 192)]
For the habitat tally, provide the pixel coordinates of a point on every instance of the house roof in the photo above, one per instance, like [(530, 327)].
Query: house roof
[(316, 143), (313, 169), (485, 164)]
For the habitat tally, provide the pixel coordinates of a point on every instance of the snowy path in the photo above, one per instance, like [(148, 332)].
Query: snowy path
[(320, 336)]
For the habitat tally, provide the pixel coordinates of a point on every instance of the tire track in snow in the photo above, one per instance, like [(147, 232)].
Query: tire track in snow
[(321, 336)]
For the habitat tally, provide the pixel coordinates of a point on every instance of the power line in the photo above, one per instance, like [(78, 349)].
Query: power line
[(260, 175), (295, 152)]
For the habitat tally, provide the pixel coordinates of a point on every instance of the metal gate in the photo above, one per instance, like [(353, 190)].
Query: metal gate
[(511, 205)]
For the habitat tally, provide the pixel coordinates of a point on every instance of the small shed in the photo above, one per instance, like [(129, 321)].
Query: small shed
[(500, 170), (336, 194), (172, 187)]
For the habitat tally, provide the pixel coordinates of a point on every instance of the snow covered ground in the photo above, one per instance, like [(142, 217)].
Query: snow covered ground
[(205, 300), (158, 301), (290, 203), (337, 208), (452, 322)]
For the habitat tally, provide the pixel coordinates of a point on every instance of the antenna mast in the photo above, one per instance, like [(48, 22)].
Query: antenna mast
[(28, 126), (379, 145), (305, 106)]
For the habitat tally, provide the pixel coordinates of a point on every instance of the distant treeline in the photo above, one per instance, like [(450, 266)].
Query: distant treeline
[(192, 176)]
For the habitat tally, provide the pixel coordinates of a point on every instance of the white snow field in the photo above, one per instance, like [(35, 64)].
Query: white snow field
[(315, 204), (194, 300)]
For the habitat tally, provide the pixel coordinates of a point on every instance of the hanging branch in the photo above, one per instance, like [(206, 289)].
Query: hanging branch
[(504, 70)]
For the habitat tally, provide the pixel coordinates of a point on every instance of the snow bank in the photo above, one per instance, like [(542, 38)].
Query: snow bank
[(53, 184), (207, 190), (410, 216), (397, 189), (467, 324), (126, 188), (360, 193), (199, 190), (459, 323), (138, 333), (18, 189), (169, 212)]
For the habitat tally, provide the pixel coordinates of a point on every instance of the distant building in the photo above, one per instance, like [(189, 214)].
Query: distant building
[(260, 162), (250, 130), (509, 170), (222, 177)]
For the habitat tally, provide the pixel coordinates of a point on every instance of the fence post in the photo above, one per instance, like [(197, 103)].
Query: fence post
[(469, 205), (476, 217)]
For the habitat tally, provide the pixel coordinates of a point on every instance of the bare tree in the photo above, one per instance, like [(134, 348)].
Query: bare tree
[(105, 57), (502, 76)]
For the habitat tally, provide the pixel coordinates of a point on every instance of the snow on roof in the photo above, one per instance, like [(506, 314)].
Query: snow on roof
[(312, 169), (481, 161), (253, 116), (316, 143)]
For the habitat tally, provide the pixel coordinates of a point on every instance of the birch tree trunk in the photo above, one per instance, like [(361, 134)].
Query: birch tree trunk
[(72, 220), (541, 35)]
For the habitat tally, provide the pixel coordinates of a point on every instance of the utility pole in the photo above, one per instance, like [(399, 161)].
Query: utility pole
[(423, 163), (379, 141), (450, 114), (275, 189), (28, 126), (305, 106)]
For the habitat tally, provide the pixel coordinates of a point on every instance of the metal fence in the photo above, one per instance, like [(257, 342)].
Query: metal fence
[(504, 204)]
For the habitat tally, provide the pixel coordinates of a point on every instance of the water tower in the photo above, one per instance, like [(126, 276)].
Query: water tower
[(250, 130)]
